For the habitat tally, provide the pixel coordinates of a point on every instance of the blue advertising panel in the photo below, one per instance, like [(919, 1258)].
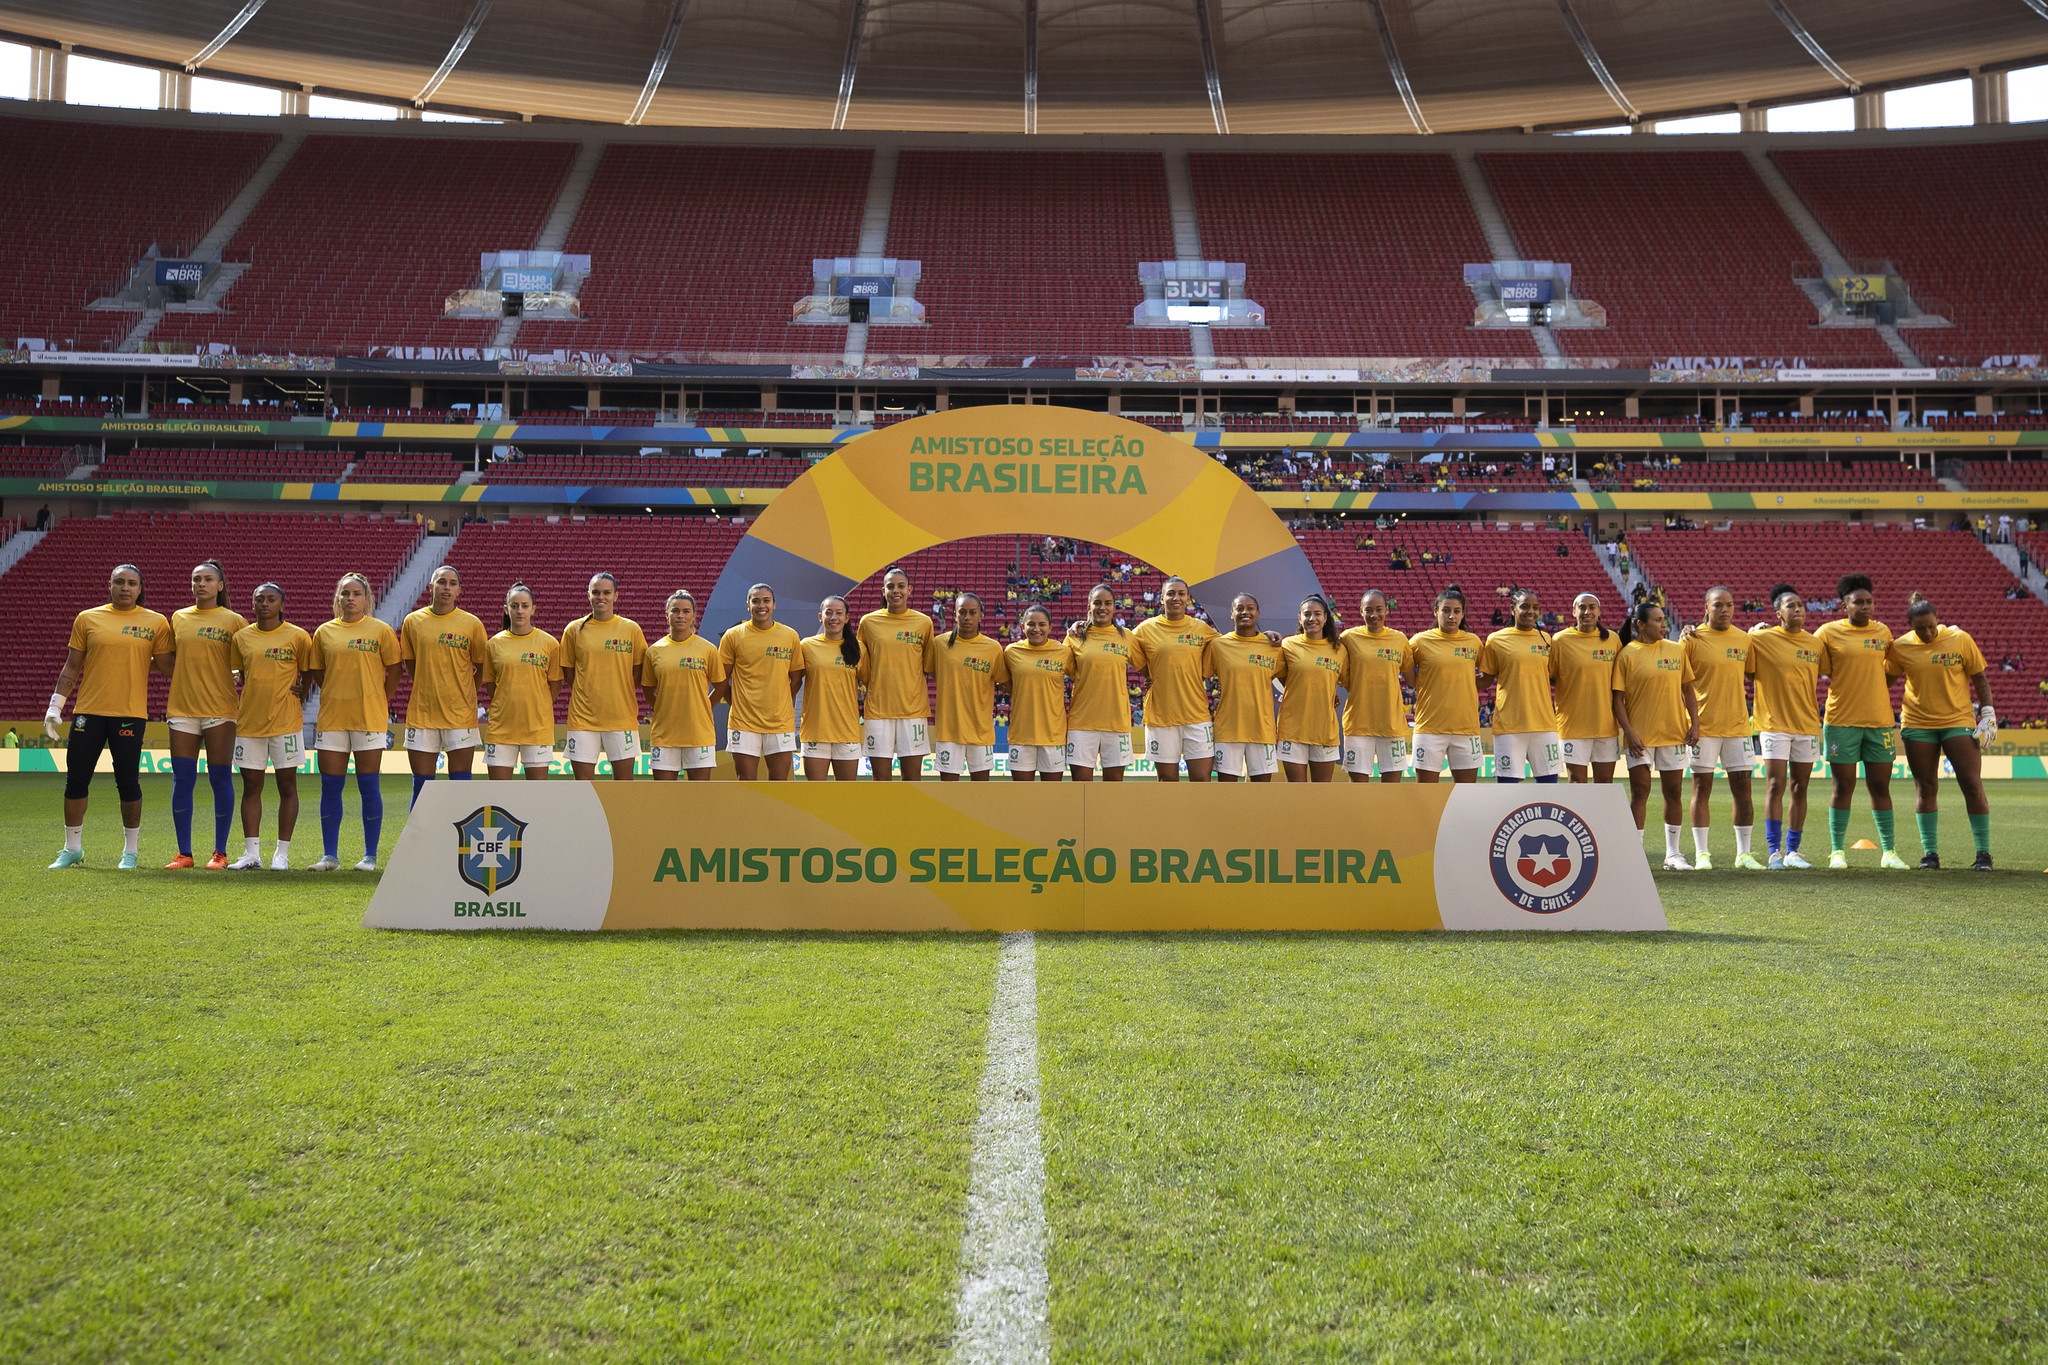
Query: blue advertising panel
[(864, 287), (527, 281), (180, 272), (1525, 291)]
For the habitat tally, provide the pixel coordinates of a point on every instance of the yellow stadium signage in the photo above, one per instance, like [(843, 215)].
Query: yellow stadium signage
[(1860, 288)]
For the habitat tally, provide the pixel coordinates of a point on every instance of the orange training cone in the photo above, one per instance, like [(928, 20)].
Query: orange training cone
[(1863, 843)]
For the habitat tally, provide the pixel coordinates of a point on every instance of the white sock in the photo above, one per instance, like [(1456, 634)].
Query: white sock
[(1671, 833), (283, 853), (1742, 833), (131, 840), (252, 848), (74, 838), (1700, 834)]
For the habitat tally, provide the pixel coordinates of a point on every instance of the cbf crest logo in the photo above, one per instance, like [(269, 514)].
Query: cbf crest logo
[(488, 847), (1544, 858)]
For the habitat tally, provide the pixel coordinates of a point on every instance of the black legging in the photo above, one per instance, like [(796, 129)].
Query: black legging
[(92, 735)]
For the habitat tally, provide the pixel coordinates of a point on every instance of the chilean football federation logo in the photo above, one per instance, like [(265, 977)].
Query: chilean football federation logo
[(488, 847), (1544, 858)]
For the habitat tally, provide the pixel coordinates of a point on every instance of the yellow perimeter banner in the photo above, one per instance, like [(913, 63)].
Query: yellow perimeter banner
[(980, 857)]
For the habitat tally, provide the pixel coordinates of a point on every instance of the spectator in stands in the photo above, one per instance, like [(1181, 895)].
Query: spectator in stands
[(1564, 550), (43, 517)]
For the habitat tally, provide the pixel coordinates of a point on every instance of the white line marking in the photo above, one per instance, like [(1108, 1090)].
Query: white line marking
[(1001, 1314)]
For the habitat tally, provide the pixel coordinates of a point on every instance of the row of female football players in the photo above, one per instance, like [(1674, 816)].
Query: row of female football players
[(1575, 703)]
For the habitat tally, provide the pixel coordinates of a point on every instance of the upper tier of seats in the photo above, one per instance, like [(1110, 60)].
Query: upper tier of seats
[(1999, 474), (417, 467), (1788, 475), (282, 465), (645, 471), (35, 462)]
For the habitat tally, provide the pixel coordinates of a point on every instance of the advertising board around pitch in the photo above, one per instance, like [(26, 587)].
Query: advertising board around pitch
[(1001, 856)]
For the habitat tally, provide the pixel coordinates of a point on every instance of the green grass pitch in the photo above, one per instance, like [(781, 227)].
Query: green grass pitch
[(1806, 1125)]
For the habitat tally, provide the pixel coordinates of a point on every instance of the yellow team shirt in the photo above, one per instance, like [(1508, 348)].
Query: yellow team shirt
[(445, 652), (1652, 678), (1787, 672), (1582, 668), (892, 664), (1374, 705), (605, 657), (1245, 671), (119, 647), (204, 683), (1519, 661), (1446, 682), (1173, 661), (1102, 696), (831, 694), (1720, 661), (967, 672), (522, 671), (681, 674), (1038, 692), (1311, 673), (270, 662), (1859, 689), (352, 691), (1937, 677), (759, 662)]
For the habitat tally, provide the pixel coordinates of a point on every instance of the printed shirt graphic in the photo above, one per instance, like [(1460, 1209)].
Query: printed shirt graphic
[(1651, 677), (1582, 667), (681, 674), (445, 652), (1308, 700), (270, 662), (1245, 671), (1173, 659), (118, 647), (1519, 660), (1373, 705), (967, 673), (1102, 697), (1446, 682), (204, 683), (354, 657), (758, 662), (1859, 689), (1038, 692), (1786, 667), (892, 664), (1937, 677), (1720, 661), (831, 694), (606, 657), (522, 671)]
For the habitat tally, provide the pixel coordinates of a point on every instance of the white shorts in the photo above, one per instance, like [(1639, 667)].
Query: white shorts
[(518, 755), (439, 741), (677, 758), (1788, 748), (1667, 758), (1038, 758), (896, 738), (350, 741), (1246, 759), (760, 744), (1180, 743), (1364, 752), (1542, 750), (838, 753), (1734, 753), (1294, 751), (198, 725), (1432, 751), (1581, 753), (587, 746), (1085, 748), (280, 751), (962, 759)]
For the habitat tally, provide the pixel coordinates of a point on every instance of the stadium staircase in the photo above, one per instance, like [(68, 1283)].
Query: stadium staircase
[(1500, 241), (17, 544), (1187, 235), (561, 218), (409, 585), (874, 236)]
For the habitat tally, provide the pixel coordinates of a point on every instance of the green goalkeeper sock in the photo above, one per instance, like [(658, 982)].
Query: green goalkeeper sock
[(1980, 830), (1885, 832), (1929, 825), (1838, 829)]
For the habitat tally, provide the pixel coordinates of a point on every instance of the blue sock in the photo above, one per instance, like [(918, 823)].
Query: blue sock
[(1549, 781), (1774, 833), (1505, 781), (1792, 840), (184, 780), (371, 792), (330, 813), (458, 777), (419, 784), (221, 777)]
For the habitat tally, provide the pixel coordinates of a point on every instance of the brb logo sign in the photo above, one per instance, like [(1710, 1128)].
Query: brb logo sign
[(1544, 858), (488, 846)]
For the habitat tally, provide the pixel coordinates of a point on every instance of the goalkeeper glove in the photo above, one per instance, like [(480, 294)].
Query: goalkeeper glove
[(1987, 727), (53, 719)]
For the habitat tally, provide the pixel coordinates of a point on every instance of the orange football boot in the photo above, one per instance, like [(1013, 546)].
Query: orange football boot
[(179, 863), (218, 862)]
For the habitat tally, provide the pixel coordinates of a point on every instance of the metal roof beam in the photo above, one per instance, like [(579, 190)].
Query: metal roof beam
[(1592, 56), (661, 55), (855, 31), (1394, 64), (1031, 65), (224, 37), (461, 45), (1209, 76), (1819, 53)]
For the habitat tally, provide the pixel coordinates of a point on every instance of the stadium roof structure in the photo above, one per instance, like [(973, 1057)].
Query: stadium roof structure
[(1061, 66)]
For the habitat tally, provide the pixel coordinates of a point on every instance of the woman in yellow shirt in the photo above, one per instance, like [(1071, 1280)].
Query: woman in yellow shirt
[(113, 651), (1446, 682), (678, 674), (202, 710), (270, 658), (1375, 713), (831, 687), (762, 674), (1857, 726), (521, 677), (1317, 664), (895, 727), (1942, 667), (1099, 720), (1784, 661), (1517, 658), (1177, 723), (1658, 713), (1039, 668), (1246, 664), (354, 662), (967, 666), (1582, 670), (601, 656)]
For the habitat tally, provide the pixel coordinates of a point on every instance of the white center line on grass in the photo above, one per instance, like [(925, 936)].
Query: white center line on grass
[(1001, 1314)]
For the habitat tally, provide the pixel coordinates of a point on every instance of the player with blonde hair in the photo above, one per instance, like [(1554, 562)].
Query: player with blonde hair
[(354, 662)]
